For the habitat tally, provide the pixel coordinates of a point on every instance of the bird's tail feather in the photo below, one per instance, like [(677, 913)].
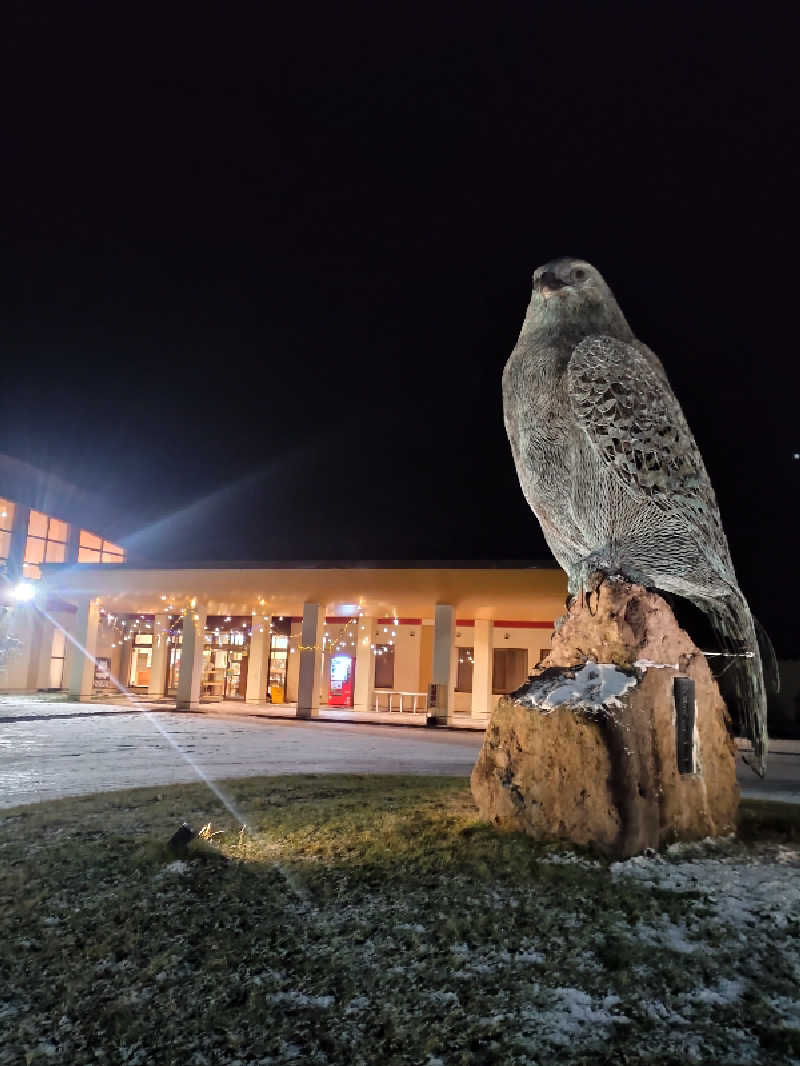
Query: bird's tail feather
[(741, 679), (769, 660)]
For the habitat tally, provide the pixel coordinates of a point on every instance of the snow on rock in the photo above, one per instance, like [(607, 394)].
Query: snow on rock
[(593, 686)]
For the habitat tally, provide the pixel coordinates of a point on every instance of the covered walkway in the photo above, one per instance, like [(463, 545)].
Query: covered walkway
[(361, 642)]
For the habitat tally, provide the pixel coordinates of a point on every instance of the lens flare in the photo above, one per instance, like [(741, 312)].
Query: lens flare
[(226, 801)]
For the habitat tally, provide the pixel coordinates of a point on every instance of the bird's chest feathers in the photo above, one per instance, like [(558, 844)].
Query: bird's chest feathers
[(543, 405)]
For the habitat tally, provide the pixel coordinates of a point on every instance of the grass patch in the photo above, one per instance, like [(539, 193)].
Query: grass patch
[(767, 820), (376, 920)]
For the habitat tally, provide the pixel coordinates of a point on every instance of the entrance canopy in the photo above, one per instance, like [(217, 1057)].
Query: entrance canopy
[(513, 592)]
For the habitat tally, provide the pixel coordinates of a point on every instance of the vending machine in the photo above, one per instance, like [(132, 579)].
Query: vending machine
[(340, 693)]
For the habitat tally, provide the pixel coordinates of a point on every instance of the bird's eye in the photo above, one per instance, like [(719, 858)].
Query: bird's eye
[(578, 274)]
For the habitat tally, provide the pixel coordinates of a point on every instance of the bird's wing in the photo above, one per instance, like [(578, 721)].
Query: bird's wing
[(622, 399)]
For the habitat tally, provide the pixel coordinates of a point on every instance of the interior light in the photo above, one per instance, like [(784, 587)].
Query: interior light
[(23, 591)]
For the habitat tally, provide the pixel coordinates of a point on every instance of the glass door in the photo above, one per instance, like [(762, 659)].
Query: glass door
[(235, 675), (215, 662), (278, 667), (174, 668), (141, 660)]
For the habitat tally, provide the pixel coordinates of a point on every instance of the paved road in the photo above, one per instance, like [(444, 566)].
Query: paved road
[(48, 750), (52, 750)]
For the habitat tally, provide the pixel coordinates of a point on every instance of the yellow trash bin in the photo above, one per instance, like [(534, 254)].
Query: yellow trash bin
[(276, 693)]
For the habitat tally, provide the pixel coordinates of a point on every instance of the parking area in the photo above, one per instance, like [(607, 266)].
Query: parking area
[(54, 749)]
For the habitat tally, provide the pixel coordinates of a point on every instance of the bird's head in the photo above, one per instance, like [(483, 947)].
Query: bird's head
[(571, 294)]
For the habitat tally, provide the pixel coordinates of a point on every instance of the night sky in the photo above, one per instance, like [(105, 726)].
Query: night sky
[(261, 272)]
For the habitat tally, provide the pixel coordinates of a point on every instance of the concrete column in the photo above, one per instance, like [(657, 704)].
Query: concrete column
[(482, 656), (34, 650), (364, 690), (191, 673), (158, 660), (22, 664), (45, 653), (258, 662), (125, 652), (444, 660), (311, 658), (79, 660)]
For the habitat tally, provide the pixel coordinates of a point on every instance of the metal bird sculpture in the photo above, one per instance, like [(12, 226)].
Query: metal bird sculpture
[(610, 468)]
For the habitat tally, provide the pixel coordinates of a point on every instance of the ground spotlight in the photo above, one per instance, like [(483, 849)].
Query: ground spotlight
[(180, 840), (23, 591)]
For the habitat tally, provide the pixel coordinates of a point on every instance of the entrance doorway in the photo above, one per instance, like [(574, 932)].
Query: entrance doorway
[(235, 675), (225, 659)]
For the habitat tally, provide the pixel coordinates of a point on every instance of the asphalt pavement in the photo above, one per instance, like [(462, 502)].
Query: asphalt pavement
[(54, 749)]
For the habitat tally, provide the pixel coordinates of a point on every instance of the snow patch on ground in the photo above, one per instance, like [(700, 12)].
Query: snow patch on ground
[(176, 867), (574, 1015), (742, 895)]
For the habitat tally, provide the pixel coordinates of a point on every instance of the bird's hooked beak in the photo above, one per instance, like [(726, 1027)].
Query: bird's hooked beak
[(548, 282)]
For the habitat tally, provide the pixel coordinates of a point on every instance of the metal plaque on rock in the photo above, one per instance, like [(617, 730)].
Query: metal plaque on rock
[(683, 693)]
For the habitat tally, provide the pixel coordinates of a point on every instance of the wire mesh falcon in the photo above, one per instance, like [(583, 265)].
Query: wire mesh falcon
[(609, 466)]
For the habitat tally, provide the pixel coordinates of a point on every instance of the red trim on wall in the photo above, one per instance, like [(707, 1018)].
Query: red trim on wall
[(400, 621), (466, 623)]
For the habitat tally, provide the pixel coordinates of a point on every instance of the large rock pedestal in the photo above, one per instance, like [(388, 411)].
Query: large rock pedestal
[(586, 750)]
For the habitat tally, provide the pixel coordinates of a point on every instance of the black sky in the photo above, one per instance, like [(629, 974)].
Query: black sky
[(275, 261)]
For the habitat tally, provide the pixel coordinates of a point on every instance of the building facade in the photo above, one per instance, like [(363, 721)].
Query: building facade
[(32, 653), (444, 638)]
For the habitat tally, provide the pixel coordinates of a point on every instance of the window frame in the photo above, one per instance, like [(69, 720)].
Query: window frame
[(31, 567)]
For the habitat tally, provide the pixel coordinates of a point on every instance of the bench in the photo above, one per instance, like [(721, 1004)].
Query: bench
[(390, 695)]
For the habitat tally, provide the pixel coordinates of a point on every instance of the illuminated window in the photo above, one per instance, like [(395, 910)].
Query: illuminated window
[(93, 549), (6, 525), (46, 543)]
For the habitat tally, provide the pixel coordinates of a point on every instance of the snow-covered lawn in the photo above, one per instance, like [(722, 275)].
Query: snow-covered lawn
[(375, 920)]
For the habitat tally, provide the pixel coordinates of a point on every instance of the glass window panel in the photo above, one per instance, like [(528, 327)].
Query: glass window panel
[(55, 552), (6, 514), (464, 669), (143, 638), (37, 524), (32, 571), (112, 549), (5, 543), (57, 530), (86, 555), (108, 557), (90, 540), (34, 550)]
